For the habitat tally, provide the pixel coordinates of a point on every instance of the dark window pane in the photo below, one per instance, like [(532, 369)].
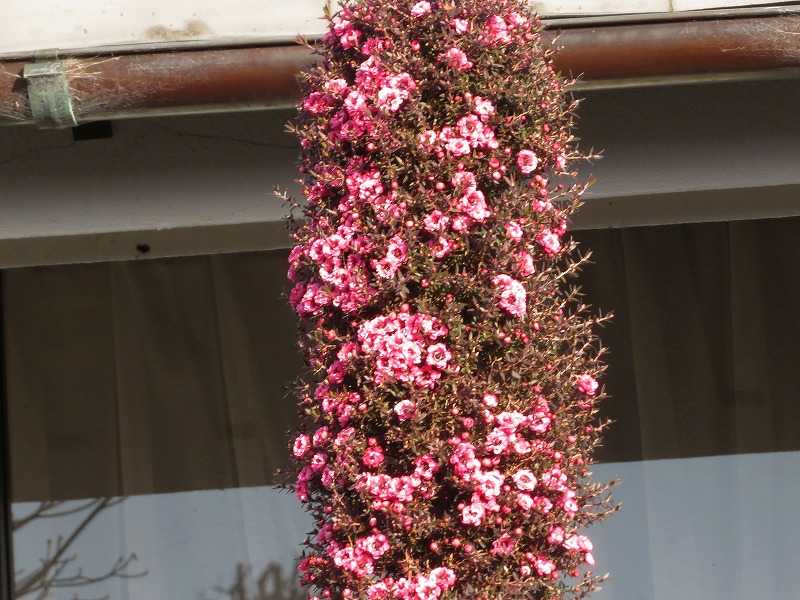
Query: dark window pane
[(161, 383), (148, 415), (703, 378)]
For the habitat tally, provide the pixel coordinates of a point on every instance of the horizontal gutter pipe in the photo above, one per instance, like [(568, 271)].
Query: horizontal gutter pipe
[(247, 77)]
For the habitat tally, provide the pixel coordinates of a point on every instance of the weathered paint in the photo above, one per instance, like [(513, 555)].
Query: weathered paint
[(26, 26), (257, 77)]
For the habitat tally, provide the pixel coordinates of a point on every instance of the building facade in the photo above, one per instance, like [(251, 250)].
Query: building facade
[(148, 349)]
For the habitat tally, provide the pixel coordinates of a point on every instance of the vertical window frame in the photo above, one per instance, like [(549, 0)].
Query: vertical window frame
[(6, 532)]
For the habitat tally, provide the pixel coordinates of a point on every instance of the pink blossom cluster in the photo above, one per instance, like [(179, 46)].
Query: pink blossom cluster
[(393, 494), (444, 437), (455, 58), (396, 255), (511, 295), (365, 188), (507, 438), (495, 495), (428, 586), (342, 274), (471, 132), (361, 108), (403, 347), (467, 208), (359, 558), (500, 30)]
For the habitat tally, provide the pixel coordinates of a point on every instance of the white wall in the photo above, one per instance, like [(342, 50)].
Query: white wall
[(27, 26)]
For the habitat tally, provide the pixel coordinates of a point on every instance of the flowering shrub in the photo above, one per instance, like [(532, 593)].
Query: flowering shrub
[(450, 415)]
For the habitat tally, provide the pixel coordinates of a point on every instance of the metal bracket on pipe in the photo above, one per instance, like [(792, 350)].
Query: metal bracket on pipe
[(48, 92)]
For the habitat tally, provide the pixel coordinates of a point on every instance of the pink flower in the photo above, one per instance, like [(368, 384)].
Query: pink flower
[(319, 460), (545, 567), (321, 436), (440, 247), (350, 38), (473, 203), (390, 99), (483, 107), (517, 20), (524, 480), (497, 441), (525, 502), (587, 385), (543, 504), (512, 295), (549, 242), (568, 502), (496, 31), (355, 102), (472, 514), (425, 467), (436, 221), (490, 483), (317, 103), (527, 161), (336, 372), (556, 536), (347, 352), (458, 147), (490, 400), (428, 139), (373, 456), (510, 421), (336, 86), (405, 410), (456, 59), (460, 25), (328, 477), (525, 265), (504, 545), (464, 181), (460, 223), (375, 45), (438, 356), (344, 437), (513, 231), (420, 9), (396, 255), (302, 444), (554, 479), (398, 344), (443, 577), (376, 545)]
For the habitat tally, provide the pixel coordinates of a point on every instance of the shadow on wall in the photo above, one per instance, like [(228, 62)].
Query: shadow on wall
[(270, 584)]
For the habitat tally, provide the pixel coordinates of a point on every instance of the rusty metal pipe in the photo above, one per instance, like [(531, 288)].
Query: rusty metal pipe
[(251, 78)]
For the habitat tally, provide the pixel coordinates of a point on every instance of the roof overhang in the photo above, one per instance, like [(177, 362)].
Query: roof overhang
[(228, 75)]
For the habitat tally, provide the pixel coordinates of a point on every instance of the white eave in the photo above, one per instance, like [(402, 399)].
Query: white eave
[(69, 24)]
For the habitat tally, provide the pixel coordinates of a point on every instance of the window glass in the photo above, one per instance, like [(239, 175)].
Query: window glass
[(148, 414), (703, 377)]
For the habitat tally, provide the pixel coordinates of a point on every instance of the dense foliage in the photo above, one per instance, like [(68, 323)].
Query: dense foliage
[(450, 414)]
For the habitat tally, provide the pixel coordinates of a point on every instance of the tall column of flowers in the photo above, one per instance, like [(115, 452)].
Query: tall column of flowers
[(449, 417)]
